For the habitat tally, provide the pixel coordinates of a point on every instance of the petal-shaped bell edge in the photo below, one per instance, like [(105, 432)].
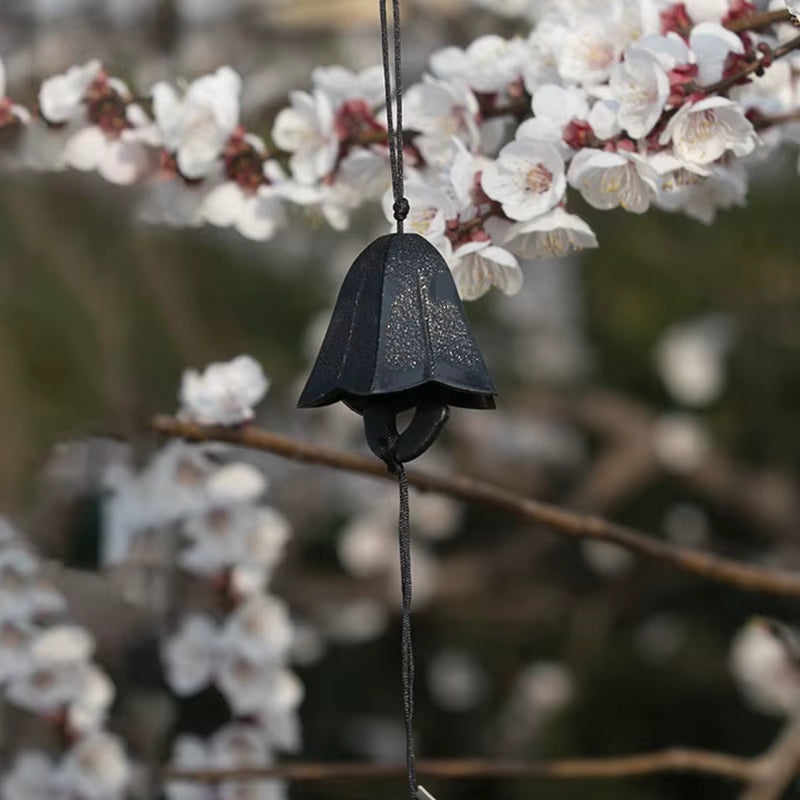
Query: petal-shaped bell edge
[(399, 280)]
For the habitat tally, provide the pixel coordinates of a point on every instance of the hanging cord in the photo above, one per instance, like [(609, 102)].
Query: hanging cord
[(404, 530), (394, 117)]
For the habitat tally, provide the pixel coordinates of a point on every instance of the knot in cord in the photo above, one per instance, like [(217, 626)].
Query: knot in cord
[(401, 209)]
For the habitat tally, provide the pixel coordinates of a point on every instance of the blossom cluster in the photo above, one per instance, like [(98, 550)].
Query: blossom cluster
[(628, 104), (231, 542), (47, 669)]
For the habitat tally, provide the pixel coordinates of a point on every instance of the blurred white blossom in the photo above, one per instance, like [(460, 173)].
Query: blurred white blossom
[(765, 661), (224, 393)]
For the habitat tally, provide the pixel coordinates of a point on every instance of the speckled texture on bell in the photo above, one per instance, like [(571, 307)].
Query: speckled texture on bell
[(399, 331)]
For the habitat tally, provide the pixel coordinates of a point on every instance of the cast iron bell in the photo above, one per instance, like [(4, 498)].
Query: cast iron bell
[(399, 339)]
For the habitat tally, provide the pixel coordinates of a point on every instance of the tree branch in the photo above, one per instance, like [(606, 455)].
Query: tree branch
[(746, 577), (756, 21), (677, 760), (776, 769), (754, 66)]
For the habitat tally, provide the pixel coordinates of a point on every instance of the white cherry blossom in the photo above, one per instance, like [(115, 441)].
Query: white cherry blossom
[(641, 87), (24, 595), (670, 51), (19, 113), (764, 662), (33, 776), (793, 7), (119, 156), (607, 179), (552, 235), (527, 178), (96, 768), (701, 132), (88, 712), (588, 52), (16, 637), (479, 265), (700, 197), (225, 392), (259, 630), (603, 119), (691, 359), (255, 211), (553, 108), (191, 655), (196, 126), (706, 10), (489, 64), (341, 84), (225, 537), (711, 44), (441, 110), (61, 97), (235, 483), (307, 131)]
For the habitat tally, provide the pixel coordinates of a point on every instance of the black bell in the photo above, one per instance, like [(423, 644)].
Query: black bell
[(399, 339)]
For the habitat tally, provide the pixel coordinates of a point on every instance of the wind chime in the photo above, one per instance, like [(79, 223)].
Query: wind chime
[(399, 339)]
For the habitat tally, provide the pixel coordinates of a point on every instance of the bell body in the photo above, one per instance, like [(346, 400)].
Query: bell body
[(399, 334)]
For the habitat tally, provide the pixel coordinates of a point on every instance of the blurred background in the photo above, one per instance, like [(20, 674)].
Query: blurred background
[(655, 380)]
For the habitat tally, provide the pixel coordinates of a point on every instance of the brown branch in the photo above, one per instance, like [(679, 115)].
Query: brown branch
[(746, 577), (776, 769), (756, 21), (679, 760), (754, 66)]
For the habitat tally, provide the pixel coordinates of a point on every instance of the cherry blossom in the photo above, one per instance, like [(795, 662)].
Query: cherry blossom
[(61, 96), (10, 113), (33, 776), (96, 768), (553, 108), (248, 199), (553, 234), (763, 660), (641, 87), (234, 746), (711, 45), (701, 132), (690, 358), (225, 393), (441, 110), (341, 84), (489, 64), (589, 52), (608, 179), (307, 131), (527, 178), (479, 265), (196, 126)]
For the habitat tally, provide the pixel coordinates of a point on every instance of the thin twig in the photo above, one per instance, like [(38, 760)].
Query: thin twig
[(754, 66), (776, 769), (755, 21), (746, 577), (732, 768)]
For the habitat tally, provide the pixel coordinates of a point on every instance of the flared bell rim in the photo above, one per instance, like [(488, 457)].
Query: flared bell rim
[(420, 393)]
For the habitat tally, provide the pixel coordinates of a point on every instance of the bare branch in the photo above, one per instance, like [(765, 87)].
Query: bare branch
[(754, 22), (746, 577), (776, 769), (673, 760)]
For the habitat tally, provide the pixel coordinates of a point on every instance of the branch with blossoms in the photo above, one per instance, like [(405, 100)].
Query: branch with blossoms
[(217, 406), (742, 576), (623, 106)]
